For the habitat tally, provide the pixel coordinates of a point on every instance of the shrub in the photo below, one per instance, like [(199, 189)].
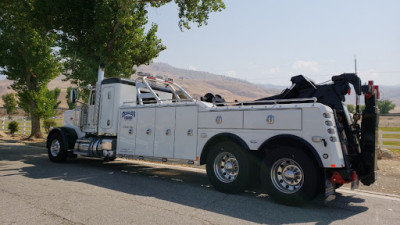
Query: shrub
[(351, 108), (10, 104), (13, 126), (385, 106), (48, 123)]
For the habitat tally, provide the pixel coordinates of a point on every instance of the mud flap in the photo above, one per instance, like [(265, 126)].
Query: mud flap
[(355, 183), (329, 188), (368, 157)]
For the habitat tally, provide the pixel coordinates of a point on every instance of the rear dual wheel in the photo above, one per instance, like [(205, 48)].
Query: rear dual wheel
[(228, 167), (290, 176)]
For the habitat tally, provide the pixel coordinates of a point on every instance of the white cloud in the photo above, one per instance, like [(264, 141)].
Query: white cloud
[(192, 68), (306, 65)]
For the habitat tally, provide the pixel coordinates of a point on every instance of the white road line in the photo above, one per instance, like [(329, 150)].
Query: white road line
[(370, 194)]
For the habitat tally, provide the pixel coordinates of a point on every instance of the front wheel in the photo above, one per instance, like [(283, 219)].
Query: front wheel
[(228, 167), (56, 150), (290, 176)]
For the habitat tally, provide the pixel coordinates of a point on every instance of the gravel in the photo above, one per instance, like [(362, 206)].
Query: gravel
[(388, 177)]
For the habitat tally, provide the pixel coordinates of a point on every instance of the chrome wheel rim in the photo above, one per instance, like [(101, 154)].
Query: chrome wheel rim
[(55, 148), (287, 176), (226, 167)]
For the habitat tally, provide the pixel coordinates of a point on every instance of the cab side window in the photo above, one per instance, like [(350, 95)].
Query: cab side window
[(92, 98)]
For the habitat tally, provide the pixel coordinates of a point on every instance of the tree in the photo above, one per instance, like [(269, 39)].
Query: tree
[(56, 93), (352, 109), (27, 58), (45, 101), (385, 106), (113, 32), (9, 103), (87, 32), (71, 105)]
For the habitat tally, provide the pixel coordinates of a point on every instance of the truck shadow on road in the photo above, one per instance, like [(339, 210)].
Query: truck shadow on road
[(181, 186)]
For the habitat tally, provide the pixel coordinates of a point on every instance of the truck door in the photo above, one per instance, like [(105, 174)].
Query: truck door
[(145, 131), (164, 132), (186, 132), (107, 107), (90, 125)]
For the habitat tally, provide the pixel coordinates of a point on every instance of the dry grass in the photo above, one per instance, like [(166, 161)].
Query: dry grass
[(389, 121)]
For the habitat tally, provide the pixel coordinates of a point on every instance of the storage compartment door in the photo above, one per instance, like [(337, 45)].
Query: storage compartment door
[(221, 120), (127, 132), (186, 133), (164, 132), (277, 119), (145, 132)]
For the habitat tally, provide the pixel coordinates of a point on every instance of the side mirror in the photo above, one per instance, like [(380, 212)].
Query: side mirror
[(73, 95)]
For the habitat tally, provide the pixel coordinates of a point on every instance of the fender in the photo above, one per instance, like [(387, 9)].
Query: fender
[(68, 135), (220, 137), (288, 139)]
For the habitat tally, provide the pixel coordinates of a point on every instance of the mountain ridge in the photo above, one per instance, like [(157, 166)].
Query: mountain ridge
[(198, 83)]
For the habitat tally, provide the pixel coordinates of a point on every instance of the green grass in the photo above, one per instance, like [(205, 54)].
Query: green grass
[(392, 129), (396, 136)]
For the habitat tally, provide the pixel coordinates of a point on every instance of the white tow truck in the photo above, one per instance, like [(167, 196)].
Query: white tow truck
[(300, 143)]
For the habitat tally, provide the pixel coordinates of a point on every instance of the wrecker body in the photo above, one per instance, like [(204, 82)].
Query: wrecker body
[(299, 143)]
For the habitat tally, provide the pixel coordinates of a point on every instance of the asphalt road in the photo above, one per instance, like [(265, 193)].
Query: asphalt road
[(34, 190)]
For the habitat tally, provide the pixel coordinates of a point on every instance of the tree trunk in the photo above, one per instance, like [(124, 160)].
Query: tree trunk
[(31, 82), (35, 123)]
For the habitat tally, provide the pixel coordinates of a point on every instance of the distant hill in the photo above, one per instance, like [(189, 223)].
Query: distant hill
[(57, 82), (196, 83), (391, 93), (5, 88)]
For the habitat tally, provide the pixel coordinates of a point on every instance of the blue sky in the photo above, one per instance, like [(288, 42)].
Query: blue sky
[(268, 41)]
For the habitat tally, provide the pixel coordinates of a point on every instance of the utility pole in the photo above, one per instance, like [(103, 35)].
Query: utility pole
[(355, 64), (356, 116)]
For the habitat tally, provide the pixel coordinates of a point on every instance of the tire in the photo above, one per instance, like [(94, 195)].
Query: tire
[(57, 151), (109, 159), (228, 167), (337, 186), (290, 176)]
